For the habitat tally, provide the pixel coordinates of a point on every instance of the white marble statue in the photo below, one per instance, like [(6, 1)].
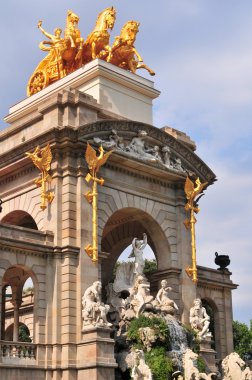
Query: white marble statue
[(138, 148), (199, 319), (164, 303), (94, 311), (190, 371), (141, 371), (167, 156), (233, 368), (140, 295), (113, 142), (137, 252)]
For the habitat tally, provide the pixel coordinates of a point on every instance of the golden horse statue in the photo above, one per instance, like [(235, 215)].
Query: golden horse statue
[(124, 53), (64, 55), (97, 43), (72, 55)]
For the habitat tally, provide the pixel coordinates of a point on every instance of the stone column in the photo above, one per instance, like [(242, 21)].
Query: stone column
[(3, 313), (188, 288), (16, 302), (95, 354)]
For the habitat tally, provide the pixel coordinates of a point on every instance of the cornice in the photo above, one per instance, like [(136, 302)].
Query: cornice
[(70, 141)]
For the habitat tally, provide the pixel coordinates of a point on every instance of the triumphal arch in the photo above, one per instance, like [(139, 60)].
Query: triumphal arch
[(46, 227)]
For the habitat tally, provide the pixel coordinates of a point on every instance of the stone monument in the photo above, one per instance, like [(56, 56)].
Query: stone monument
[(80, 96)]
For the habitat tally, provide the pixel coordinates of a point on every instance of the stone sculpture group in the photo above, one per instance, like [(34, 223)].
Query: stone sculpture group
[(141, 148), (69, 52), (118, 313)]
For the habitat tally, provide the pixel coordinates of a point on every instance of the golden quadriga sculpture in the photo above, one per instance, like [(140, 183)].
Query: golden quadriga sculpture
[(193, 191), (67, 54), (94, 163), (42, 159)]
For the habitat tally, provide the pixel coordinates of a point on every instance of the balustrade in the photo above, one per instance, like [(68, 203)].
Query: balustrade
[(18, 350)]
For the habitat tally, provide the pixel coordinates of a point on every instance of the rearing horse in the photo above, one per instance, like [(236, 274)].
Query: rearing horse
[(124, 53), (74, 43), (97, 43)]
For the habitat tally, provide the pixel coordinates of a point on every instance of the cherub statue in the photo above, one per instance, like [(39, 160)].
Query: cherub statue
[(199, 318), (137, 252), (94, 311)]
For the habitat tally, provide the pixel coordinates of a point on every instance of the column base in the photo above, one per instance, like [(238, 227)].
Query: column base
[(95, 354), (208, 354)]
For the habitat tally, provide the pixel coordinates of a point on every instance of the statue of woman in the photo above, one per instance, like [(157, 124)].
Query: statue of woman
[(137, 252), (164, 302), (56, 46)]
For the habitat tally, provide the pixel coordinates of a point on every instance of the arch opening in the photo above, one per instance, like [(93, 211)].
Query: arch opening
[(119, 231), (214, 326), (17, 313)]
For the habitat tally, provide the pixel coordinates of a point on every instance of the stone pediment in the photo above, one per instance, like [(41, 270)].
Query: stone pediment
[(146, 144)]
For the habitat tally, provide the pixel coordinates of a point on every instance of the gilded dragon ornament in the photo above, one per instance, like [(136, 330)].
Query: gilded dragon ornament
[(193, 191), (42, 159), (94, 163)]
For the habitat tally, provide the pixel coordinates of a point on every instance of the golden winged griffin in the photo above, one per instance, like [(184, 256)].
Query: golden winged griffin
[(94, 163), (42, 159), (193, 191), (67, 53)]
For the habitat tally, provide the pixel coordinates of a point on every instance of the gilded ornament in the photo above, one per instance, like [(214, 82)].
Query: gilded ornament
[(68, 53), (42, 159), (94, 163), (193, 191)]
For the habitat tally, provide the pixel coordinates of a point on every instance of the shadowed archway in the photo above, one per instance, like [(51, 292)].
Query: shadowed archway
[(119, 231), (20, 218)]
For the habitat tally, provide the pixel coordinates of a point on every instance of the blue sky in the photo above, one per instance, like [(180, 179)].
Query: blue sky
[(201, 51)]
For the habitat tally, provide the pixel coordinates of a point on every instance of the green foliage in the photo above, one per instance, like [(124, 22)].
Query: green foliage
[(156, 358), (242, 335), (28, 290), (24, 334), (157, 324), (149, 266), (161, 367), (201, 365), (192, 339)]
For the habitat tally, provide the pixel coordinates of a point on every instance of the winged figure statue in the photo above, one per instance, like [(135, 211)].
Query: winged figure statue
[(95, 162)]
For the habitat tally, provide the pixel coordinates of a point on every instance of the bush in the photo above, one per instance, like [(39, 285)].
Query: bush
[(201, 365), (157, 324), (161, 367), (242, 335), (192, 339)]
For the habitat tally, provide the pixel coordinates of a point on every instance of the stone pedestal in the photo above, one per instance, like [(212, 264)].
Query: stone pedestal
[(116, 90), (208, 354), (95, 355)]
